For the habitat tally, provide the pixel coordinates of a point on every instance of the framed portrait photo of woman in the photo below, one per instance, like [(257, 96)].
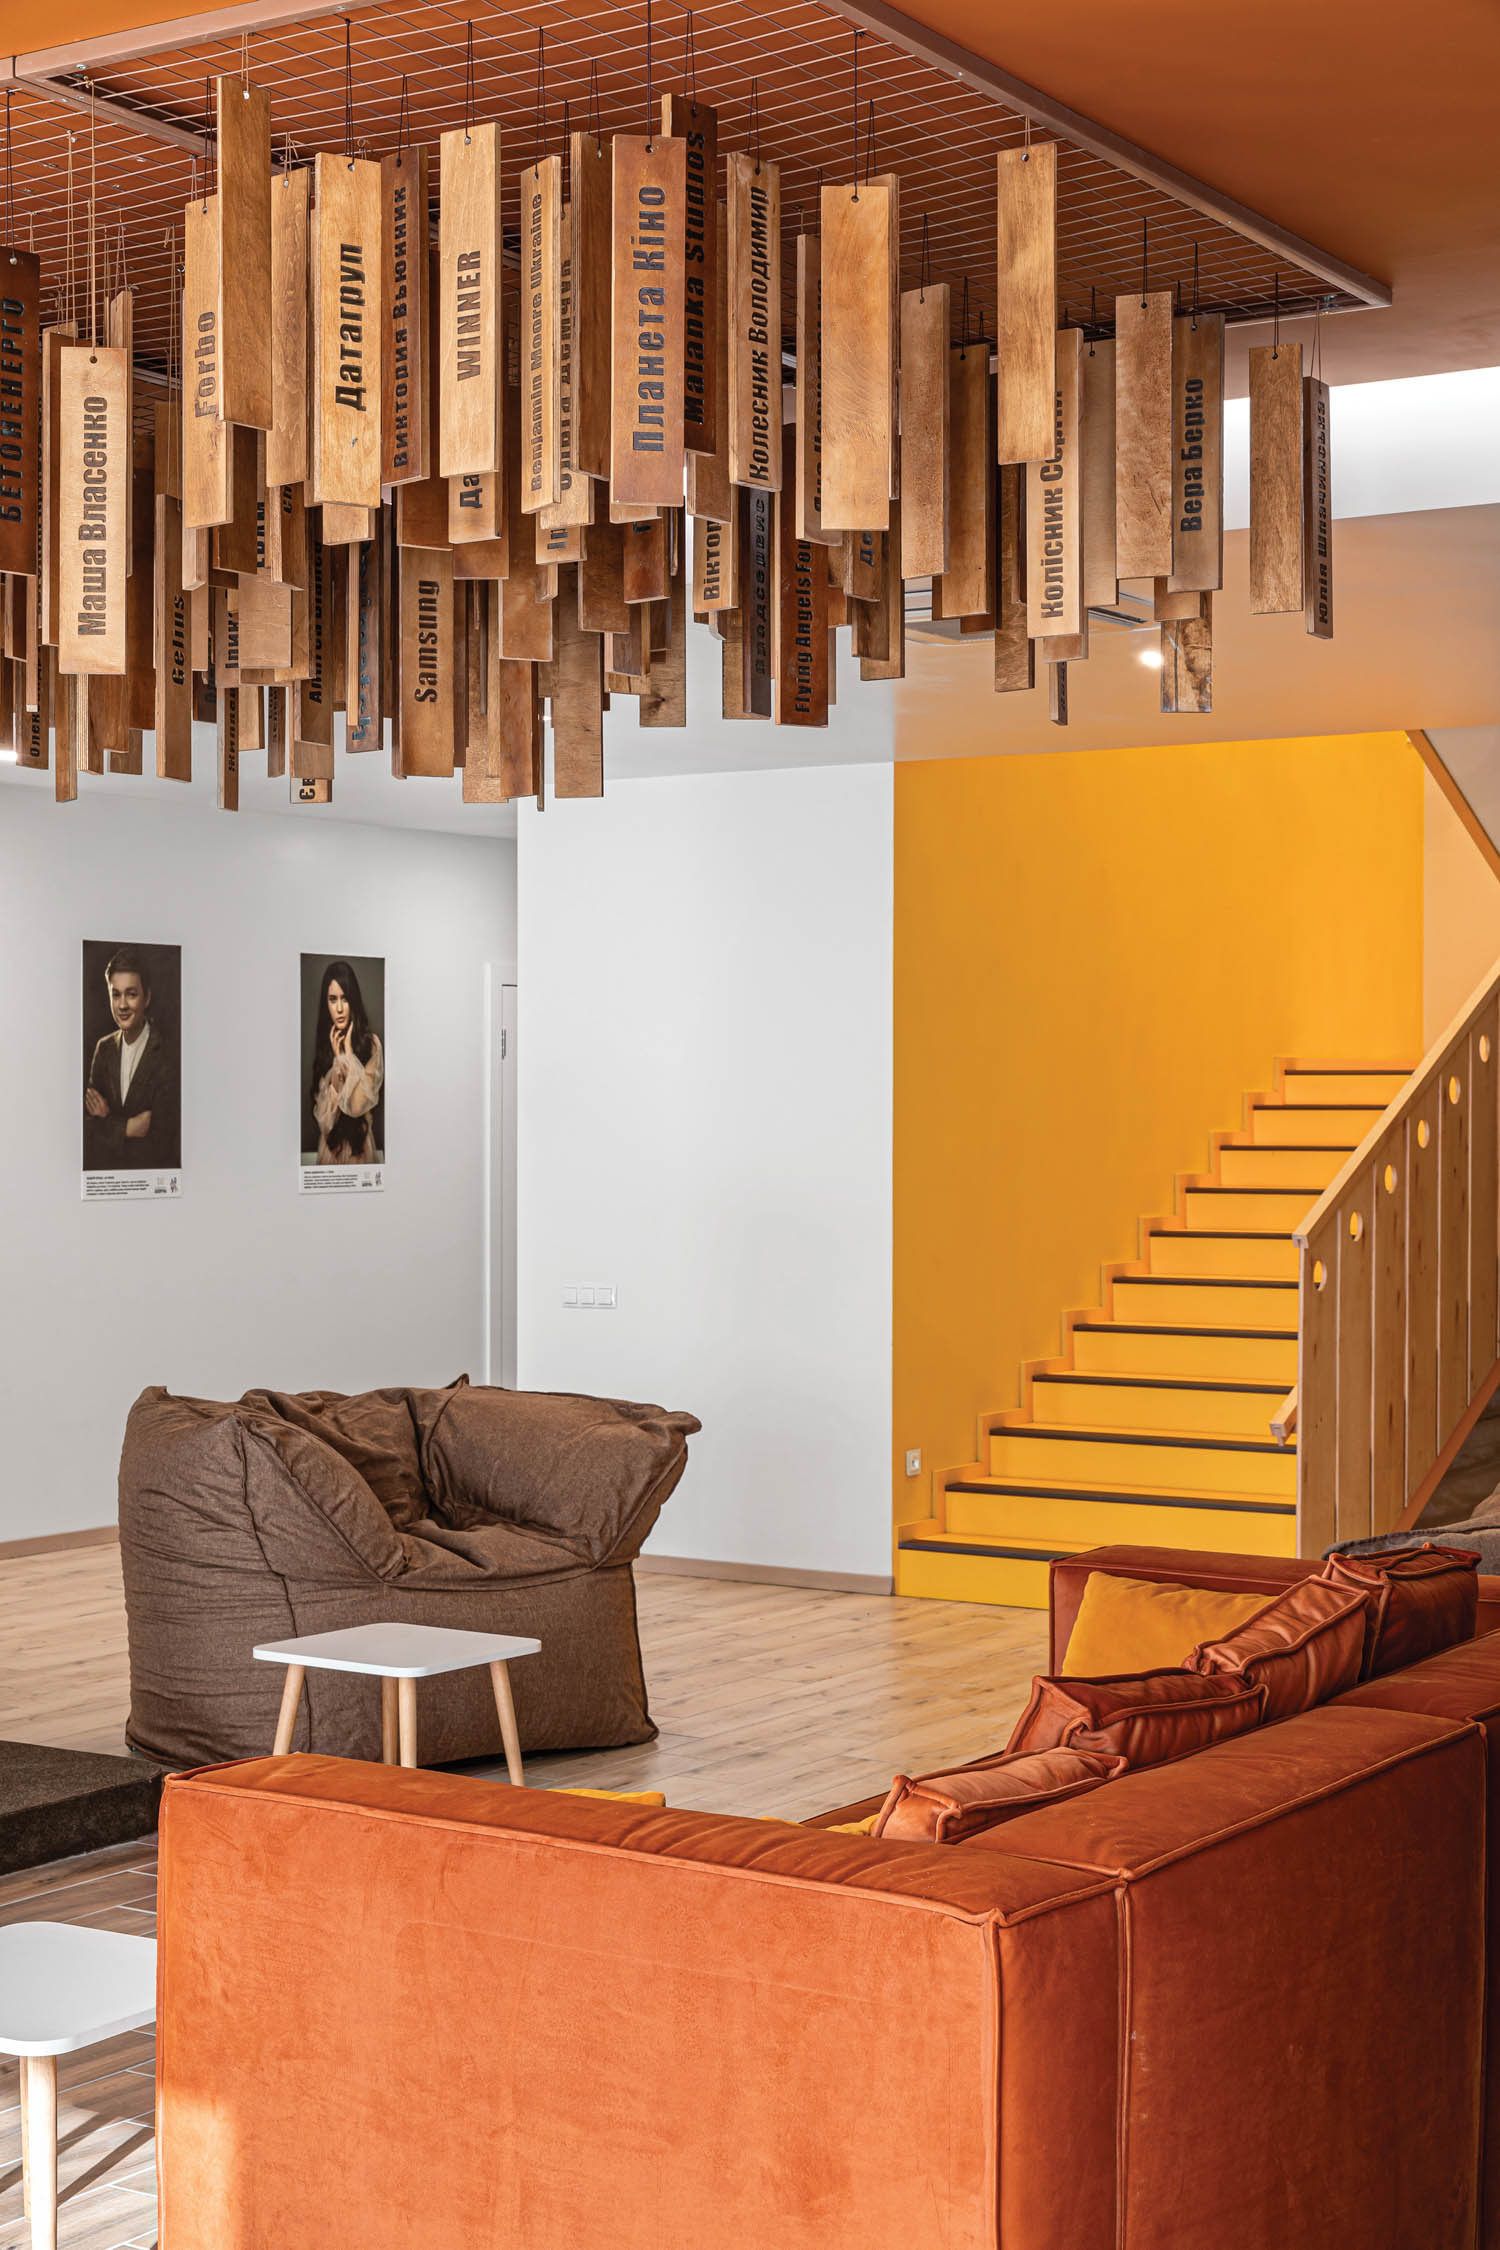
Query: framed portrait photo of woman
[(342, 1079)]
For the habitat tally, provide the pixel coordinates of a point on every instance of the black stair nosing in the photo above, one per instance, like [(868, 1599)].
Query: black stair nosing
[(1204, 1442), (1148, 1328), (996, 1554), (1108, 1380), (1217, 1187), (1221, 1234), (1003, 1488), (1309, 1070), (1200, 1280), (1379, 1108)]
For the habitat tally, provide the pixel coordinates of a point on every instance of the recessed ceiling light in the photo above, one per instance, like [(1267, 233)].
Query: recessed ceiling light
[(1151, 658)]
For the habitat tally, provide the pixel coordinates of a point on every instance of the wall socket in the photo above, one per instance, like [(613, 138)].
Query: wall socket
[(914, 1461), (589, 1296)]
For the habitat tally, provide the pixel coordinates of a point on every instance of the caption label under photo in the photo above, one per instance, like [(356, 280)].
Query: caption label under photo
[(342, 1179), (130, 1187)]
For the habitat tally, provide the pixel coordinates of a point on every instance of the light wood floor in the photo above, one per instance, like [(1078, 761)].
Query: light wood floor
[(769, 1699)]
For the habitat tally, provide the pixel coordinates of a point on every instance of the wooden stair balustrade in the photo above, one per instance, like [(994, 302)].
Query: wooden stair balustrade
[(1165, 1421)]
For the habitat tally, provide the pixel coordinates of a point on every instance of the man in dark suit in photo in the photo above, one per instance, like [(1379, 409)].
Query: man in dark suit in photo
[(132, 1106)]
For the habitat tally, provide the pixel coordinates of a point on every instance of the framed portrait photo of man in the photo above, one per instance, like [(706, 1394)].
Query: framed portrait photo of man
[(131, 1101), (342, 1079)]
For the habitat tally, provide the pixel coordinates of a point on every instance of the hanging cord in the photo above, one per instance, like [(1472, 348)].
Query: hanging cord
[(1026, 144), (210, 136), (594, 108), (541, 102), (1323, 306), (349, 92), (820, 203), (857, 37), (403, 119), (567, 155), (1093, 315), (690, 62), (468, 82), (123, 259), (755, 120), (650, 120), (1276, 314), (1195, 288), (963, 322), (870, 143), (93, 245), (10, 180), (924, 270), (1145, 261)]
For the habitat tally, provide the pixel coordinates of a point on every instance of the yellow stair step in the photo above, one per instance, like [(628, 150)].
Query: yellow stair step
[(1005, 1509), (1274, 1126), (1164, 1300), (1311, 1088), (1157, 1404), (1013, 1574), (1223, 1256), (1309, 1169), (1257, 1210), (1238, 1466), (1243, 1354)]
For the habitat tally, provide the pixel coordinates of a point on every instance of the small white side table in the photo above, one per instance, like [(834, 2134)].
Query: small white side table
[(398, 1656), (63, 1985)]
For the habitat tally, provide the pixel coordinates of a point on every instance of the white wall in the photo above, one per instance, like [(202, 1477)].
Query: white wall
[(242, 1282), (705, 1121)]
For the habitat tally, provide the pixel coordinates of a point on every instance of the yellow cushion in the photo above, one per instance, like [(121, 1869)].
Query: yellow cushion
[(852, 1827), (620, 1796), (1128, 1625)]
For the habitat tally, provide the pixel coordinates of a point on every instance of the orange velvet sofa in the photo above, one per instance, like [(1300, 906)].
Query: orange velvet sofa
[(1237, 1999)]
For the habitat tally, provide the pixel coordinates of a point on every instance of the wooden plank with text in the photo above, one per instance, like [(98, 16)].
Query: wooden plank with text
[(540, 190), (205, 433), (589, 255), (1277, 438), (1143, 435), (1054, 509), (421, 513), (94, 469), (802, 611), (967, 587), (649, 188), (757, 611), (287, 449), (243, 209), (427, 661), (697, 127), (21, 412), (471, 373), (574, 505), (925, 445), (366, 627), (53, 340), (753, 308), (406, 362), (808, 408), (347, 332), (1317, 509), (891, 634), (1015, 653), (1197, 453), (715, 572), (1187, 662), (577, 704), (664, 700), (709, 491), (1101, 582), (858, 330), (1025, 300)]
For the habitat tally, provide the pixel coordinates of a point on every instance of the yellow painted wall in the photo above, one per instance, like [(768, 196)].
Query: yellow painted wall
[(1097, 954), (1461, 932)]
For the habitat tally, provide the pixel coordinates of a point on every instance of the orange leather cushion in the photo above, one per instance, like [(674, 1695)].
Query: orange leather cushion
[(1420, 1599), (1146, 1720), (1138, 1625), (945, 1808), (1304, 1647)]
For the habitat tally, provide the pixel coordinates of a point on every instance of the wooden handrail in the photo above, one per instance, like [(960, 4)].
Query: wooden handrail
[(1284, 1420), (1431, 1062)]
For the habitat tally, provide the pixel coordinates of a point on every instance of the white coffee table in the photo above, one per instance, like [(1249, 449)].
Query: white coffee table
[(398, 1656), (63, 1985)]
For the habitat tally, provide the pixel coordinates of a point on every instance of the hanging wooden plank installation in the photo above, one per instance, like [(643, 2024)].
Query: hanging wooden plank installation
[(287, 454), (1026, 301), (697, 127), (94, 467), (422, 506), (1143, 435), (890, 638), (757, 601), (808, 407), (601, 581), (512, 702), (526, 592), (347, 332), (577, 705), (173, 714), (251, 711), (243, 215), (967, 587), (715, 575), (140, 653), (286, 536), (665, 702), (1197, 453), (563, 544), (1317, 509), (205, 434), (1057, 694), (34, 721), (362, 727), (802, 609), (229, 750), (858, 330), (20, 411), (1015, 653), (1169, 608), (406, 366), (53, 340), (1101, 584), (264, 611), (753, 300), (709, 491), (1277, 438), (541, 200), (470, 361), (574, 506), (1187, 662), (427, 661), (590, 251), (925, 443), (646, 575), (476, 509), (1054, 508), (312, 718), (236, 542), (649, 186)]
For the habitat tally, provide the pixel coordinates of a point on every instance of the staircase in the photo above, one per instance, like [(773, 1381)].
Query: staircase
[(1154, 1427)]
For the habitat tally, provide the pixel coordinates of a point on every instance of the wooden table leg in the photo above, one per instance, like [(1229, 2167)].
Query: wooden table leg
[(388, 1723), (40, 2072), (22, 2069), (407, 1720), (500, 1681), (291, 1696)]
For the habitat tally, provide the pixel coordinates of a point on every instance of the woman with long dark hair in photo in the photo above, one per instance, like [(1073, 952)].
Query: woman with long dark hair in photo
[(348, 1071)]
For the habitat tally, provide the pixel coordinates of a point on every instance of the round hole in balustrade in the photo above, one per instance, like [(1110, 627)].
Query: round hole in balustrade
[(1454, 1089), (1424, 1134), (1356, 1225), (1320, 1273), (1484, 1046), (1389, 1178)]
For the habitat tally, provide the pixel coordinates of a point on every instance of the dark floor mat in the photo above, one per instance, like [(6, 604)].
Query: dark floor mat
[(54, 1803)]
